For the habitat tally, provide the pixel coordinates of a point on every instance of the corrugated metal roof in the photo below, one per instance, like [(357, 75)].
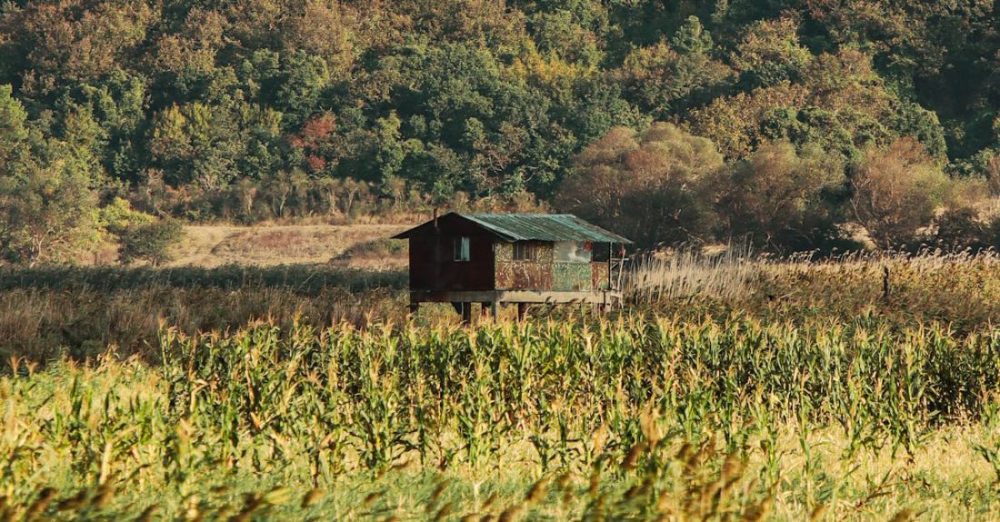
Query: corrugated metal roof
[(544, 227)]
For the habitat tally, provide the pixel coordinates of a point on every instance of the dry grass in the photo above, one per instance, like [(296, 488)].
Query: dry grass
[(961, 290), (728, 274), (217, 245), (378, 254), (48, 312), (79, 312)]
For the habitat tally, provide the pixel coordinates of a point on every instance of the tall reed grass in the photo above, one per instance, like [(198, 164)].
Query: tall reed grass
[(729, 275), (48, 313)]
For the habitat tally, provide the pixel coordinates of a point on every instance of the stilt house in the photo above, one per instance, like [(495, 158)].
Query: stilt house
[(494, 259)]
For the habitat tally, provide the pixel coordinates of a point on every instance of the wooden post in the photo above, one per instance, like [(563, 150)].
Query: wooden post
[(611, 259), (522, 309), (414, 308), (886, 284), (466, 313)]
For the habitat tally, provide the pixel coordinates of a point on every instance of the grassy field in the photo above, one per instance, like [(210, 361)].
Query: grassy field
[(218, 245), (733, 390)]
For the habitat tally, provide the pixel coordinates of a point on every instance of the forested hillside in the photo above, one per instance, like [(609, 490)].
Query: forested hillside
[(117, 112)]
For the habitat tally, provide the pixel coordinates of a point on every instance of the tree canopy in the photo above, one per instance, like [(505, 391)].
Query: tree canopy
[(199, 110)]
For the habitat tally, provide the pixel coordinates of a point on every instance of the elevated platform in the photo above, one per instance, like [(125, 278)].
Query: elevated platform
[(491, 299), (514, 297)]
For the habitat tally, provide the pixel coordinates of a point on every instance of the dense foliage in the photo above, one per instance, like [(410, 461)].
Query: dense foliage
[(666, 186), (262, 109)]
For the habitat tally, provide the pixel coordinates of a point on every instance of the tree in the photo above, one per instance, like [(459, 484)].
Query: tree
[(840, 103), (692, 38), (322, 28), (311, 145), (150, 241), (304, 80), (653, 187), (48, 207), (666, 78), (896, 191), (557, 33), (13, 133), (189, 52), (485, 98), (770, 53), (117, 104), (389, 149), (59, 44), (443, 93), (48, 213), (781, 198), (964, 229), (198, 144)]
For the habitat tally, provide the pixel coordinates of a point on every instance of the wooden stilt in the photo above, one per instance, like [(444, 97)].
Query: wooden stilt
[(466, 313), (522, 309)]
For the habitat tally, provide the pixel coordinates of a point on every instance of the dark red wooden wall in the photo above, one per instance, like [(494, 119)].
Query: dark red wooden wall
[(432, 265)]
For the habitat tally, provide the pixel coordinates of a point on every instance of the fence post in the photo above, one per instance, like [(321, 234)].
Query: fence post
[(886, 285)]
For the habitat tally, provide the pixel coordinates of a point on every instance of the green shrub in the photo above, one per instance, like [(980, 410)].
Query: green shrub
[(149, 241)]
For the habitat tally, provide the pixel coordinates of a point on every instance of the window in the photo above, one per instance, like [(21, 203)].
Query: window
[(461, 249), (573, 252), (523, 251)]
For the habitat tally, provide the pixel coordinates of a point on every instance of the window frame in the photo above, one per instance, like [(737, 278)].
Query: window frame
[(526, 252), (461, 249)]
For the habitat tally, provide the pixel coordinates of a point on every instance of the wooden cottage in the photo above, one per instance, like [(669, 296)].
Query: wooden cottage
[(494, 259)]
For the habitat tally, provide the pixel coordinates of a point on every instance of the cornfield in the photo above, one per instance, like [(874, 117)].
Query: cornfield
[(643, 416)]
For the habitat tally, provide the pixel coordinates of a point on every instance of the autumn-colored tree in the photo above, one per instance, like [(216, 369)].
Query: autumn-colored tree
[(653, 187), (55, 44), (313, 141), (781, 198), (323, 28), (896, 191)]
